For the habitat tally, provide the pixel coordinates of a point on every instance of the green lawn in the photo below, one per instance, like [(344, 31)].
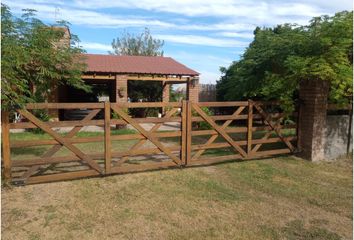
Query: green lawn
[(278, 198)]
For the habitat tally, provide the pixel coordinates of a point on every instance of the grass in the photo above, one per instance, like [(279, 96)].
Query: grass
[(277, 198)]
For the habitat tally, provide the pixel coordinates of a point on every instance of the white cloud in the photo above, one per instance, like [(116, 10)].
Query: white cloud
[(96, 46), (237, 15), (201, 40), (214, 60), (265, 11), (245, 35), (208, 77), (87, 17)]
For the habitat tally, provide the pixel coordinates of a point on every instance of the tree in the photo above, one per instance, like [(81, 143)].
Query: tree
[(140, 45), (33, 63), (280, 58), (137, 45)]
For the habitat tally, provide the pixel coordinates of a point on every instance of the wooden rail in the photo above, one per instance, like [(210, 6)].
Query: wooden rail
[(246, 130)]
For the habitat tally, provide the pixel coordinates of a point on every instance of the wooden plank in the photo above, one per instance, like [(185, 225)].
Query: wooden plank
[(5, 135), (51, 160), (30, 106), (22, 125), (139, 136), (18, 144), (145, 133), (214, 137), (188, 132), (61, 140), (147, 104), (165, 79), (98, 77), (223, 104), (62, 176), (241, 143), (239, 117), (107, 136), (145, 151), (219, 130), (149, 120), (239, 130), (221, 117), (249, 128), (184, 132)]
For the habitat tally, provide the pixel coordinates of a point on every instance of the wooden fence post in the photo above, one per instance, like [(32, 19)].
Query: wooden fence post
[(107, 136), (5, 130), (188, 142), (249, 128), (184, 132)]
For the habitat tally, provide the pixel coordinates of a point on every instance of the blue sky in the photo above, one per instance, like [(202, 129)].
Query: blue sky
[(202, 34)]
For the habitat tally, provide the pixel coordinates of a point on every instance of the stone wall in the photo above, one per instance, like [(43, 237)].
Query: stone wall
[(336, 136)]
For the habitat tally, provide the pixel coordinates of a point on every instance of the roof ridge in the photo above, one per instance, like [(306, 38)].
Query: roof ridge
[(114, 55)]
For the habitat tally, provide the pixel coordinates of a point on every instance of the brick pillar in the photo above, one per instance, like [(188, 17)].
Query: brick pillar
[(121, 88), (193, 90), (312, 119), (165, 92)]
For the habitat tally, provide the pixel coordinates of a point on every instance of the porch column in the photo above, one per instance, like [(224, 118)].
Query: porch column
[(312, 119), (121, 88), (193, 89), (165, 92)]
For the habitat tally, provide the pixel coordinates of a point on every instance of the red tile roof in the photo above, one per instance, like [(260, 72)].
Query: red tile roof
[(136, 64)]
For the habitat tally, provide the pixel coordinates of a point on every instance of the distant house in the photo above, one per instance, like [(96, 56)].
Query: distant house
[(111, 73)]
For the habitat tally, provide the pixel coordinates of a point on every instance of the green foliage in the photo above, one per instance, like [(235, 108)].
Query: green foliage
[(280, 58), (34, 62), (203, 125), (42, 115), (137, 45), (175, 96)]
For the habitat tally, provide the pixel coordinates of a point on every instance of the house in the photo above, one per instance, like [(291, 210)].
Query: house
[(112, 72)]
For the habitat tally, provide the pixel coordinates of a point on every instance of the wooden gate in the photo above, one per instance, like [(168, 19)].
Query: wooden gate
[(187, 134), (239, 130)]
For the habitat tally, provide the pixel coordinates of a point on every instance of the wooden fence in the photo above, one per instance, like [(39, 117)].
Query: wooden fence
[(188, 134)]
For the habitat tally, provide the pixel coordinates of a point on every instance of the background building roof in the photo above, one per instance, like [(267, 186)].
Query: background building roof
[(136, 64)]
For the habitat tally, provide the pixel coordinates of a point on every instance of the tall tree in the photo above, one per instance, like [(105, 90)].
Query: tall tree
[(33, 63), (140, 45), (280, 58), (137, 45)]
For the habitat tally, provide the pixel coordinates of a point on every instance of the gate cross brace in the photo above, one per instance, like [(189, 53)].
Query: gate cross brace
[(264, 115), (32, 170), (142, 141), (219, 130), (213, 138), (61, 140), (146, 134)]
